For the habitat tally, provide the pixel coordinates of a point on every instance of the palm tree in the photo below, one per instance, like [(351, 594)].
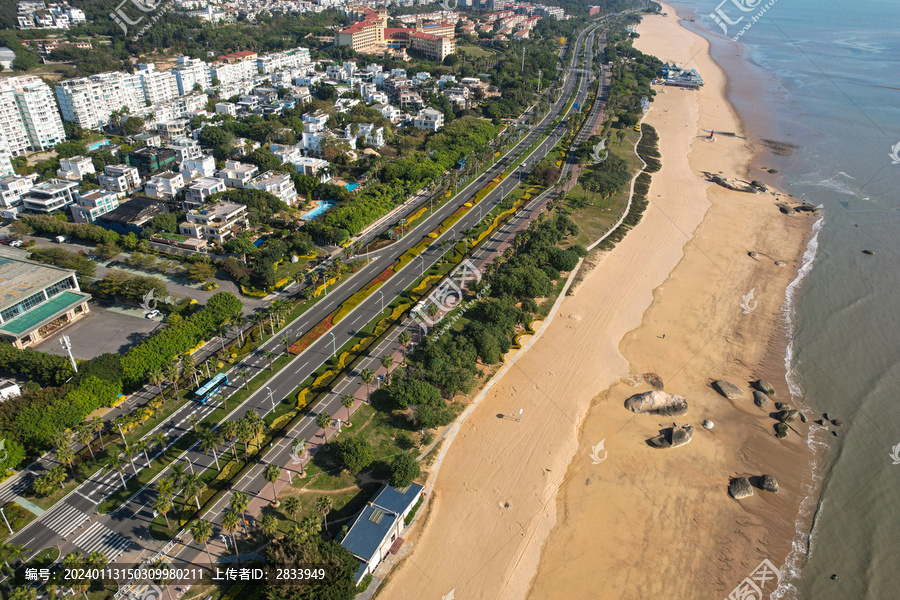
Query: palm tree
[(193, 486), (387, 361), (239, 502), (189, 365), (272, 473), (368, 376), (129, 452), (142, 446), (112, 463), (202, 531), (193, 421), (230, 523), (173, 372), (97, 426), (432, 310), (324, 505), (230, 432), (286, 340), (292, 506), (66, 455), (240, 321), (24, 593), (165, 487), (159, 440), (268, 524), (119, 422), (209, 441), (300, 449), (245, 434), (84, 435), (313, 277), (347, 402), (97, 560), (162, 505), (177, 473), (405, 338), (269, 355), (157, 378), (245, 375), (323, 420)]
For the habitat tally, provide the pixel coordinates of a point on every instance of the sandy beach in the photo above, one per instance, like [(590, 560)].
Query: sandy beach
[(521, 510)]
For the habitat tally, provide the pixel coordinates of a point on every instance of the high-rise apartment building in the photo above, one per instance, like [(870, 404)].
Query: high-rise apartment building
[(28, 115)]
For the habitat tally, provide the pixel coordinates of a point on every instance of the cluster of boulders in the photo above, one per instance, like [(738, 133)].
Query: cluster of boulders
[(741, 487), (672, 437)]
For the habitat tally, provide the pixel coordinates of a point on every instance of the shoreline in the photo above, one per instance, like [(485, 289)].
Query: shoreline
[(493, 529)]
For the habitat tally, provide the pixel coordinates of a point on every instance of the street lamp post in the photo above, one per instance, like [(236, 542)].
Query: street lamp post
[(333, 344), (6, 520), (381, 293), (271, 399)]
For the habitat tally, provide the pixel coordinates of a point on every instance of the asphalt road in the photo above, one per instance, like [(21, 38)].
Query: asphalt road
[(123, 535)]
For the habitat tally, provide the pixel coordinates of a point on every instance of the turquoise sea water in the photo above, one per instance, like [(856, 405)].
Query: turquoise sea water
[(825, 76)]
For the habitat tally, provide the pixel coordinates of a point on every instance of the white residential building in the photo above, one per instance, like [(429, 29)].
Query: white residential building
[(201, 189), (315, 167), (13, 187), (190, 71), (389, 112), (185, 149), (75, 168), (120, 178), (429, 119), (203, 166), (159, 86), (90, 205), (89, 101), (237, 174), (372, 135), (277, 61), (226, 108), (50, 196), (164, 185), (218, 222), (278, 184), (36, 121), (314, 122)]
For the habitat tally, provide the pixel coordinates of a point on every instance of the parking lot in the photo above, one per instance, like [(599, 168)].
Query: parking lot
[(102, 331)]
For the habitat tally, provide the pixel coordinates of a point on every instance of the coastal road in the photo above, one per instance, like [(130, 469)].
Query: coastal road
[(73, 524)]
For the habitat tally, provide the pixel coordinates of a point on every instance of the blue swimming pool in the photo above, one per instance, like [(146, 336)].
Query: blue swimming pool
[(351, 186), (323, 207)]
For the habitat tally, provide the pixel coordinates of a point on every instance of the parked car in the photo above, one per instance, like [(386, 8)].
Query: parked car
[(60, 239), (16, 243), (152, 314)]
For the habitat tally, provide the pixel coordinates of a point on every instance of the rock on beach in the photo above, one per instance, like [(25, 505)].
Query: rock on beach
[(727, 389)]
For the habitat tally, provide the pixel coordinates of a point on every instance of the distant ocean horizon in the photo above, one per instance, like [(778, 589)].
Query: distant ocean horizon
[(821, 77)]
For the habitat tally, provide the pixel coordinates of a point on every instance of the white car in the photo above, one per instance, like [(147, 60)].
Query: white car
[(152, 314), (15, 243)]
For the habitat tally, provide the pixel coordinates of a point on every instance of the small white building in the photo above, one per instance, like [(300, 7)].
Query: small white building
[(202, 166), (201, 189), (13, 187), (314, 122), (316, 167), (185, 149), (372, 135), (278, 184), (389, 112), (50, 196), (9, 389), (90, 205), (120, 178), (237, 174), (164, 185), (376, 530), (429, 119), (226, 108), (218, 222), (75, 168)]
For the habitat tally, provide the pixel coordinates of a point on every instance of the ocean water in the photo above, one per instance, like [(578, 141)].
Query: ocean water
[(824, 76)]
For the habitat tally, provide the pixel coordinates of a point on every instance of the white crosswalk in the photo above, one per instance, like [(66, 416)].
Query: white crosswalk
[(64, 519), (15, 487), (99, 538)]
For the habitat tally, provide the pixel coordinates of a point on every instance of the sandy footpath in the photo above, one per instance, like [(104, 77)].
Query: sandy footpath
[(643, 523)]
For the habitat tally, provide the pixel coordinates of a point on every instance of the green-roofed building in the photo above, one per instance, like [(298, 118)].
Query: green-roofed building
[(36, 299)]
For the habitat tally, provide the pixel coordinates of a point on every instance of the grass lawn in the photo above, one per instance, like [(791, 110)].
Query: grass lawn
[(475, 51), (594, 219)]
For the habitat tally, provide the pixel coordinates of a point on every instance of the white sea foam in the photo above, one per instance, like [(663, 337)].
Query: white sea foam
[(800, 544)]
